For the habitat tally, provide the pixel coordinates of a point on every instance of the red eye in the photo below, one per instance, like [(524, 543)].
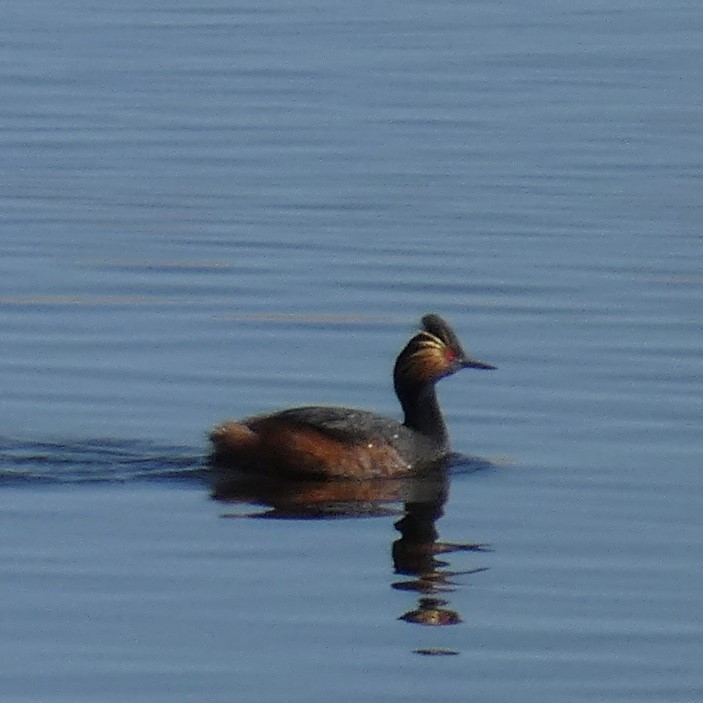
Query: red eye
[(450, 355)]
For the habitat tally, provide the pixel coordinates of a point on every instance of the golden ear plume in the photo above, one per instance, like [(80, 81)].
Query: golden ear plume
[(424, 359)]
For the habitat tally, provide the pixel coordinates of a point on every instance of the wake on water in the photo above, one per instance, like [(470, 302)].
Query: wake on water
[(97, 460)]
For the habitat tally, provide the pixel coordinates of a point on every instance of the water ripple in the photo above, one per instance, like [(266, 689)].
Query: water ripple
[(98, 460)]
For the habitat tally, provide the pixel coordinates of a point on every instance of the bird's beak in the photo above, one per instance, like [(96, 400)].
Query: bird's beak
[(469, 363)]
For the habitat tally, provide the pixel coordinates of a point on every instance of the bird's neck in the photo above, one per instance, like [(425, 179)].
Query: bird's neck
[(422, 412)]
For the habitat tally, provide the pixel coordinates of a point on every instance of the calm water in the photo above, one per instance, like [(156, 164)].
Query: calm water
[(209, 212)]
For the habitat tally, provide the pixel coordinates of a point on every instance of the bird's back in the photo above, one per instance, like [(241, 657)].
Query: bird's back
[(322, 441)]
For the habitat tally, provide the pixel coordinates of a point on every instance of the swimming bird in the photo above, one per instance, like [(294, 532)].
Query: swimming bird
[(336, 442)]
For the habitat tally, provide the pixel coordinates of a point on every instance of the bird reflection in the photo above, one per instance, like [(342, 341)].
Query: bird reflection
[(419, 557)]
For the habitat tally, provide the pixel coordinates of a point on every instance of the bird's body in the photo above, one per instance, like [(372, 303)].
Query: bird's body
[(336, 442)]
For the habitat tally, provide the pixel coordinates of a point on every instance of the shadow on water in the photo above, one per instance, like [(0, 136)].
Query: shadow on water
[(25, 463), (419, 558)]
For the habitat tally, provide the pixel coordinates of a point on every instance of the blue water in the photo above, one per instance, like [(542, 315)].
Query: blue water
[(209, 212)]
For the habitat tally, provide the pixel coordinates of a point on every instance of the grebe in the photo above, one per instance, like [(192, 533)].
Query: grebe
[(330, 442)]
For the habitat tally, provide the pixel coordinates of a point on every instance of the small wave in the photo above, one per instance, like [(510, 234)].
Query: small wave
[(97, 461), (458, 464)]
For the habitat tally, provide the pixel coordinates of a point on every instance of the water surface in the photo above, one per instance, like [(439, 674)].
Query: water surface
[(208, 212)]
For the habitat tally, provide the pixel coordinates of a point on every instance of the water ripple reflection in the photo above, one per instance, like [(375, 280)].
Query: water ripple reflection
[(418, 555)]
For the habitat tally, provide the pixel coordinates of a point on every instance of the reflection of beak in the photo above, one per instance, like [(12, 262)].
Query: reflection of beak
[(476, 364)]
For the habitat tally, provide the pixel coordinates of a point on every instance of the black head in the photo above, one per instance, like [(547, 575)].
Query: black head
[(433, 353)]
